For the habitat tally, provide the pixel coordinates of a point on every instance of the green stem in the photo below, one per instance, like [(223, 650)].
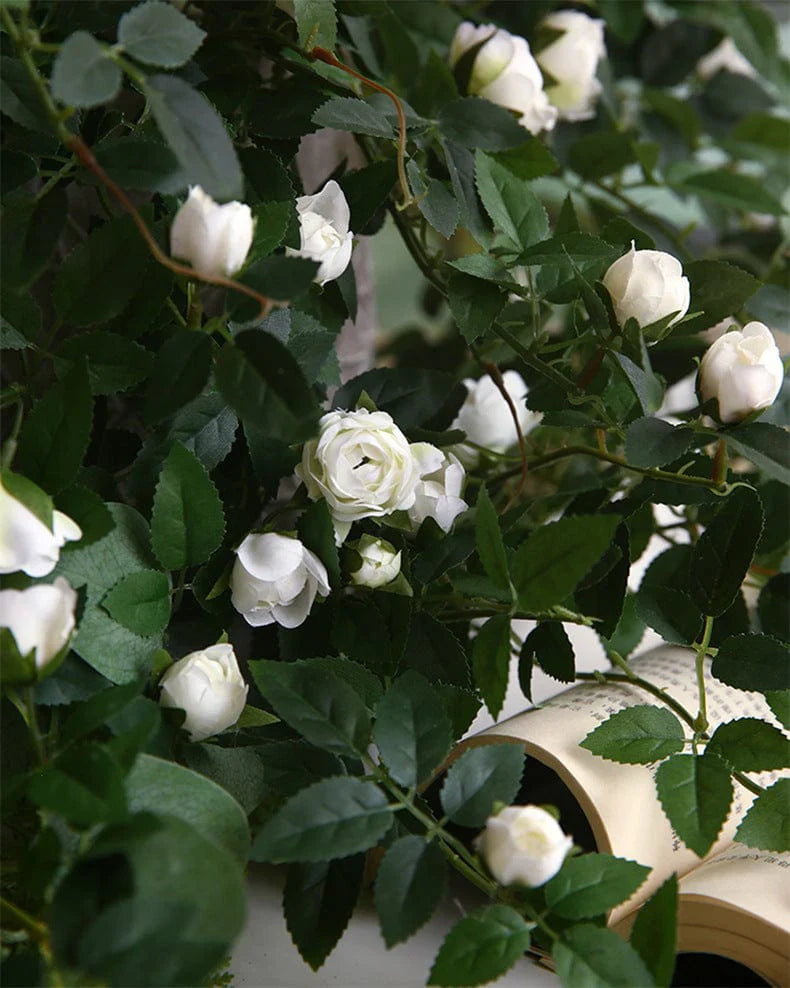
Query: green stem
[(9, 446), (720, 462), (546, 370), (179, 589), (701, 723), (36, 929), (632, 680), (468, 614), (32, 723)]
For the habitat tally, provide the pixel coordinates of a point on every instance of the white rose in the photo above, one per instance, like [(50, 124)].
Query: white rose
[(743, 370), (276, 579), (572, 60), (725, 56), (523, 845), (323, 231), (504, 72), (438, 494), (40, 618), (26, 543), (486, 418), (208, 686), (380, 562), (214, 239), (363, 465), (647, 285)]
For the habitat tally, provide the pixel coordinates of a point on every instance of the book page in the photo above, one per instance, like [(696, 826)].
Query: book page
[(620, 800)]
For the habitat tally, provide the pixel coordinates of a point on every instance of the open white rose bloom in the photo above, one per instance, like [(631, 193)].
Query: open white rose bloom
[(523, 845), (505, 72), (324, 231), (41, 618), (214, 238), (26, 543), (572, 61), (209, 687), (647, 285), (743, 370)]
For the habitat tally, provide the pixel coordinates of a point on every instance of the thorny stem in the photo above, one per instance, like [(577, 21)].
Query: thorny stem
[(322, 55)]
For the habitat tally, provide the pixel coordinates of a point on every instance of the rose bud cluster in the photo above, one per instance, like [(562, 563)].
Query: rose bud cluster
[(504, 72), (214, 238), (208, 686), (41, 620), (486, 417), (379, 562), (324, 231), (647, 285), (743, 371), (571, 61), (523, 845)]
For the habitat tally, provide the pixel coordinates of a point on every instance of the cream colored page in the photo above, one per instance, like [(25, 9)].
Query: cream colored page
[(757, 882), (620, 800)]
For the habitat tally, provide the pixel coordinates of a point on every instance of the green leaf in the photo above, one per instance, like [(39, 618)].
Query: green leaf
[(180, 373), (514, 208), (695, 793), (476, 123), (443, 555), (771, 305), (411, 395), (99, 277), (158, 34), (529, 160), (237, 770), (491, 661), (264, 384), (767, 823), (483, 266), (679, 113), (766, 446), (601, 154), (738, 191), (410, 883), (723, 553), (478, 779), (20, 98), (594, 957), (138, 163), (140, 602), (96, 710), (85, 785), (271, 221), (481, 947), (316, 23), (30, 494), (324, 709), (83, 74), (652, 442), (552, 560), (643, 383), (750, 745), (114, 363), (277, 277), (365, 683), (433, 650), (718, 290), (165, 788), (779, 702), (197, 136), (318, 901), (637, 735), (355, 115), (367, 189), (436, 203), (187, 520), (654, 932), (549, 644), (475, 304), (412, 731), (55, 434), (592, 884), (30, 234), (329, 819), (580, 248), (317, 534), (753, 662), (490, 547)]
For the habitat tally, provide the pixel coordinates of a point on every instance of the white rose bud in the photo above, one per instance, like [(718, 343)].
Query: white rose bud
[(743, 370), (25, 541), (438, 494), (41, 619), (647, 285), (275, 579), (380, 562), (725, 56), (504, 72), (214, 238), (523, 845), (363, 465), (486, 418), (209, 687), (323, 231), (572, 60)]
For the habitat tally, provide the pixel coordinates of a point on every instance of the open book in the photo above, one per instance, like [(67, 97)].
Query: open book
[(736, 901)]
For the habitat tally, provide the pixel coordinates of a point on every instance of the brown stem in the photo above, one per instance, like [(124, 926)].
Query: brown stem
[(322, 55), (88, 159)]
